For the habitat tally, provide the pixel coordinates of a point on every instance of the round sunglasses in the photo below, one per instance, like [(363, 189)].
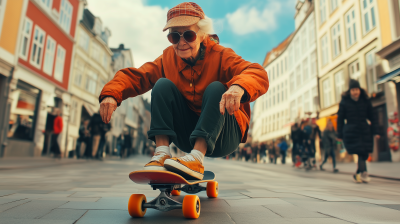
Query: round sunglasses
[(189, 36)]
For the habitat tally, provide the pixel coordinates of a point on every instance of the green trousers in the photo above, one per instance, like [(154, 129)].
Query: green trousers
[(171, 116)]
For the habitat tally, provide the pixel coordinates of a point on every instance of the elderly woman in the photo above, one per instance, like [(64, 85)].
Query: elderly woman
[(200, 94)]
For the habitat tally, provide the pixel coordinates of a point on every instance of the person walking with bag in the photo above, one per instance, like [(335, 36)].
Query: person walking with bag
[(357, 134)]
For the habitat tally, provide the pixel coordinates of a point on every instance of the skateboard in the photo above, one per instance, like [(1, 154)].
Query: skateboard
[(170, 184)]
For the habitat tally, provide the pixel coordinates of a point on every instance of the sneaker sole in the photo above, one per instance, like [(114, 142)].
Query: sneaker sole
[(184, 171), (154, 168)]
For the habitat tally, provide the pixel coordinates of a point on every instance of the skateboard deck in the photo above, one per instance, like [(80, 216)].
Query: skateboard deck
[(166, 177)]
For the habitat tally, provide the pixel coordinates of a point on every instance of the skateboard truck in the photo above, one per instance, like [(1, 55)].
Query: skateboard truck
[(164, 202), (192, 189)]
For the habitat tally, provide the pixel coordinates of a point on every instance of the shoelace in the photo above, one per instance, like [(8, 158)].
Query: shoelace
[(158, 156), (187, 158)]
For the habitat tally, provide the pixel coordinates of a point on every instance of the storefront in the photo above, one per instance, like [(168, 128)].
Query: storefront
[(22, 120), (5, 72)]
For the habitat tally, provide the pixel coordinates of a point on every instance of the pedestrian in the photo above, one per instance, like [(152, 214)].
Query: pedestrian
[(356, 108), (83, 140), (329, 145), (205, 110), (255, 152), (315, 131), (283, 146), (296, 141), (127, 142), (272, 152), (95, 127), (104, 129), (57, 129), (121, 146), (263, 153)]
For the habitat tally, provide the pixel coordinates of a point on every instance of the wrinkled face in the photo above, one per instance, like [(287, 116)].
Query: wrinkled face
[(184, 49), (355, 93)]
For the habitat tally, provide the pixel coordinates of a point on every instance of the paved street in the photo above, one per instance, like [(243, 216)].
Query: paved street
[(97, 192)]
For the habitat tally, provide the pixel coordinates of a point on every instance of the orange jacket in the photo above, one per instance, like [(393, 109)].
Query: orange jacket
[(219, 64)]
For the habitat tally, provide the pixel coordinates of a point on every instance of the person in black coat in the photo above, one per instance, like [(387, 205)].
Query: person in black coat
[(357, 133), (296, 139)]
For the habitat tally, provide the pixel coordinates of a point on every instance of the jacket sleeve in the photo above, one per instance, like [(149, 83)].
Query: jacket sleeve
[(372, 119), (130, 82), (340, 120), (252, 77)]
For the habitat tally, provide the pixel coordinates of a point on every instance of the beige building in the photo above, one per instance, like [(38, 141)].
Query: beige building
[(349, 36), (292, 71), (91, 71)]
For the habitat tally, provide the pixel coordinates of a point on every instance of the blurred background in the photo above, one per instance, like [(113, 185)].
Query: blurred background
[(56, 56)]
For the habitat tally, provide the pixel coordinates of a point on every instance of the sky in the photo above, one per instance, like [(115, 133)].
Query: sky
[(251, 28)]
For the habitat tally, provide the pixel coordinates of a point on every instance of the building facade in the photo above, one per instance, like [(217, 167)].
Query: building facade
[(40, 81), (92, 69), (348, 37), (292, 70)]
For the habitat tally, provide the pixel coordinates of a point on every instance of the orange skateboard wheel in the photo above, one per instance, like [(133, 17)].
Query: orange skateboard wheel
[(135, 205), (212, 189), (191, 206), (175, 192)]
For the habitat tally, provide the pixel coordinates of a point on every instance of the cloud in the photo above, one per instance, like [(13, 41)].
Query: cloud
[(136, 25), (249, 19)]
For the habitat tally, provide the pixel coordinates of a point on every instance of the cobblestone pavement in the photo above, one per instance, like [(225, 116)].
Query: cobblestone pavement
[(97, 192)]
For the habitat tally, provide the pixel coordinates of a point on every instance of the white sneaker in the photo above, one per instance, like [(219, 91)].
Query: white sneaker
[(365, 177)]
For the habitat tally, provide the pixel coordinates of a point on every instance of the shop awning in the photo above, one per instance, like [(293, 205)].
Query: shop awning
[(90, 109), (391, 76)]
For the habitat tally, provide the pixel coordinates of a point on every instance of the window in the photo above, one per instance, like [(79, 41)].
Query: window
[(292, 82), (336, 43), (307, 105), (26, 37), (91, 82), (298, 78), (293, 110), (300, 104), (296, 50), (277, 69), (313, 68), (65, 15), (305, 69), (60, 60), (73, 111), (273, 73), (315, 98), (49, 56), (327, 92), (282, 66), (291, 57), (354, 70), (311, 31), (273, 97), (368, 15), (286, 94), (46, 4), (322, 11), (95, 51), (282, 93), (79, 73), (105, 61), (350, 22), (23, 113), (37, 47), (370, 61), (277, 95), (339, 82), (333, 5), (286, 63), (324, 49), (84, 40), (304, 40)]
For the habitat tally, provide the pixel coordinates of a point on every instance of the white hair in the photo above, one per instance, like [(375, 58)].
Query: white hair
[(206, 26)]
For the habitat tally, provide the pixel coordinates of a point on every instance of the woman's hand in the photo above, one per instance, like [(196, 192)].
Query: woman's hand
[(107, 107), (231, 100)]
